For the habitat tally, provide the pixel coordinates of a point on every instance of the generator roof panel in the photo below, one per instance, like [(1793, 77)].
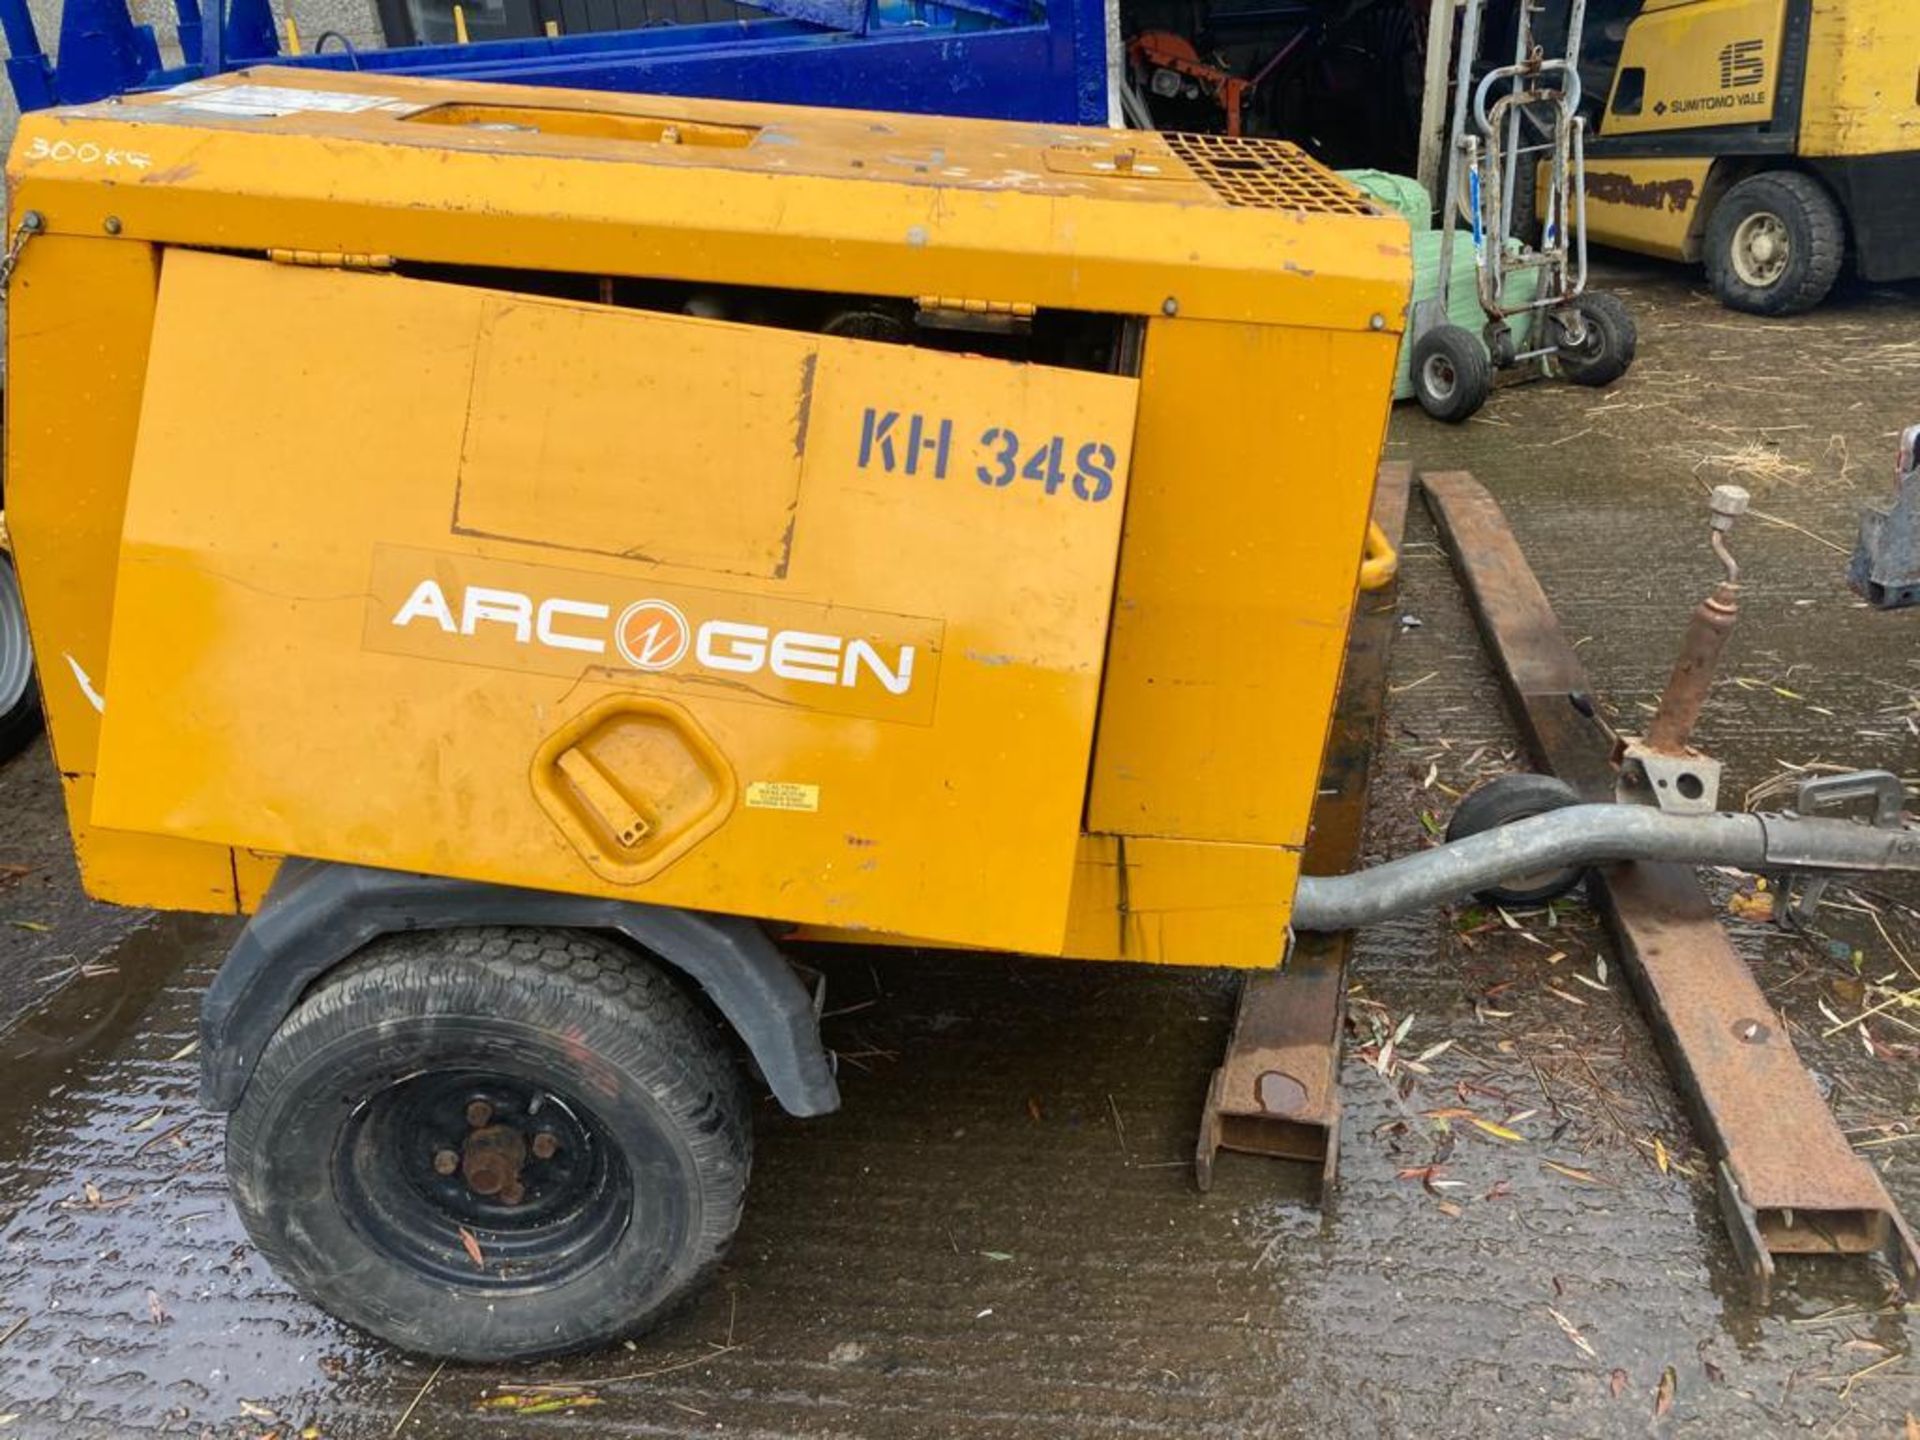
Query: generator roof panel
[(1122, 221)]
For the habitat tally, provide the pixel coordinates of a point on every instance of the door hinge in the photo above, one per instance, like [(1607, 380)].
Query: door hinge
[(945, 312), (331, 259)]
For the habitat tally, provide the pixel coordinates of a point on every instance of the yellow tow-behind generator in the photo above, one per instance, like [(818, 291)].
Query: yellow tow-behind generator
[(536, 551)]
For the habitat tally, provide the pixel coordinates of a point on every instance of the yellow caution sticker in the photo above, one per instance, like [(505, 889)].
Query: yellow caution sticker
[(782, 795)]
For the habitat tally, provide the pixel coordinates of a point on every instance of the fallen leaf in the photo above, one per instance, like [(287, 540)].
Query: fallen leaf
[(1500, 1132), (996, 1255), (1449, 1209), (156, 1309), (259, 1412), (1567, 1328), (1585, 1177), (472, 1247), (570, 1402), (36, 926), (1744, 905), (1033, 1109), (91, 1191), (1663, 1394), (1660, 1155), (1434, 1052), (1617, 1383)]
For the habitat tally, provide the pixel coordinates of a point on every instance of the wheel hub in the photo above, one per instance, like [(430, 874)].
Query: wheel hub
[(1761, 250), (491, 1162), (525, 1172)]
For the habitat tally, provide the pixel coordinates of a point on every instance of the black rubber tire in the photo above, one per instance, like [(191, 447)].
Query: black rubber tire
[(1501, 801), (20, 720), (565, 1011), (1609, 343), (1452, 374), (1816, 243), (1526, 209)]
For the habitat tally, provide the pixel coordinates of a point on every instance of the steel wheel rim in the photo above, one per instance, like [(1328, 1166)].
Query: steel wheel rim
[(575, 1207), (1762, 248), (1439, 376), (16, 651)]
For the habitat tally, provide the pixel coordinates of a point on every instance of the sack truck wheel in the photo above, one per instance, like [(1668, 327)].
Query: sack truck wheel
[(1608, 338), (1501, 801), (1774, 244), (19, 700), (1452, 375), (493, 1144)]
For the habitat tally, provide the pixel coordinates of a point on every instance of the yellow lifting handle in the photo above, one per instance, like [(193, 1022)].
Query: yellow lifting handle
[(1379, 562)]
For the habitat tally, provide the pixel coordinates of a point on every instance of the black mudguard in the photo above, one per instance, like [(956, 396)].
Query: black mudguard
[(318, 914)]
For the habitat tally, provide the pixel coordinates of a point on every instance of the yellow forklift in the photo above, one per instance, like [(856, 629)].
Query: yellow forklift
[(1768, 139)]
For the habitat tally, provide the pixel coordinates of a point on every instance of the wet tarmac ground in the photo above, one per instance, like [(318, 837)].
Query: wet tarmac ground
[(999, 1235)]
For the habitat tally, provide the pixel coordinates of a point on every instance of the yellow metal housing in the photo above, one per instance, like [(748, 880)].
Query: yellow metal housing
[(491, 483)]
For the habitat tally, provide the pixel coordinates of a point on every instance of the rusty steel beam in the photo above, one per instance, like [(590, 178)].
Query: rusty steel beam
[(1276, 1092), (1789, 1183)]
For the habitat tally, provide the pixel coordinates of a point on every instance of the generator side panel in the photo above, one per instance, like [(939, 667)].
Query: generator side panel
[(1254, 463), (79, 324)]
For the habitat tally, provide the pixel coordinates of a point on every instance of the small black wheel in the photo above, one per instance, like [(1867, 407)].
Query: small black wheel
[(1607, 338), (1775, 243), (1501, 801), (493, 1144), (19, 697), (1452, 375)]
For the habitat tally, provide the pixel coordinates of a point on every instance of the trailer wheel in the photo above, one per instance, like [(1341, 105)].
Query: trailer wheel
[(1452, 375), (19, 699), (493, 1144), (1775, 243), (1501, 801), (1608, 339)]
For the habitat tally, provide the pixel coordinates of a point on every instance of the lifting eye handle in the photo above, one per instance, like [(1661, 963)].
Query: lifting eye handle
[(1379, 562)]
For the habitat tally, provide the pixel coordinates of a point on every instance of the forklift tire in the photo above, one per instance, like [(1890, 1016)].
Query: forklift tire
[(1606, 350), (1501, 801), (493, 1144), (1774, 244), (1452, 374), (19, 698)]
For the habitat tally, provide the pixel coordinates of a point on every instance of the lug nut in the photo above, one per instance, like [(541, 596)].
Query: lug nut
[(445, 1162), (479, 1112), (545, 1144)]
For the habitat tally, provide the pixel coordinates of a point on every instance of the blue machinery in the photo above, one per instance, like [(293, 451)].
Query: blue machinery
[(996, 59)]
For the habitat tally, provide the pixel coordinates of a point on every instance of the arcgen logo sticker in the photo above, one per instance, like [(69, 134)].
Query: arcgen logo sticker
[(652, 635), (566, 622)]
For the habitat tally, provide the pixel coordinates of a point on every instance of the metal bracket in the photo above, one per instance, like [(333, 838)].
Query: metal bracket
[(1801, 892), (1684, 784), (1886, 562)]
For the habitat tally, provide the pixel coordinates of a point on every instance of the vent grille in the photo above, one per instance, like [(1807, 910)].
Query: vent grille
[(1266, 175)]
